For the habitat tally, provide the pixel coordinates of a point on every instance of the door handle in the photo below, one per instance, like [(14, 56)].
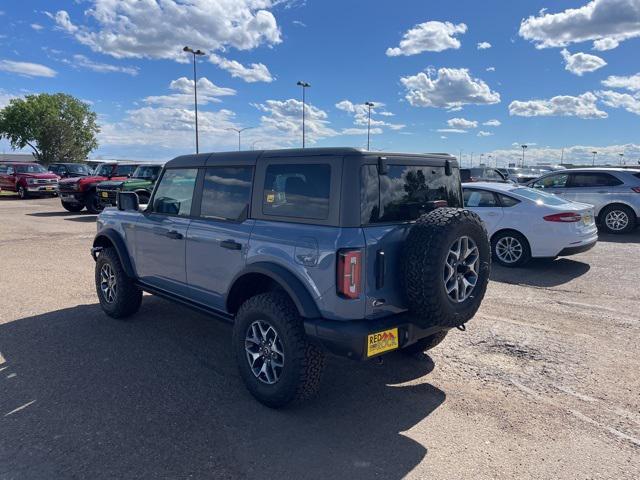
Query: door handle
[(231, 245), (174, 235)]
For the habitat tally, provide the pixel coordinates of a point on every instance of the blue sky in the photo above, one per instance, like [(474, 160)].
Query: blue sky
[(552, 75)]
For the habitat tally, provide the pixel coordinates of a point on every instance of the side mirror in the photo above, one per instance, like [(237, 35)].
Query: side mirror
[(128, 201)]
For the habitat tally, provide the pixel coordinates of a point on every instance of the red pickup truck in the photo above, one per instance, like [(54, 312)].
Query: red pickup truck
[(28, 179), (80, 192)]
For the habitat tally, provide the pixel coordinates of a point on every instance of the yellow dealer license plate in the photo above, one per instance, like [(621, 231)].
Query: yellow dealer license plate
[(382, 342), (104, 194)]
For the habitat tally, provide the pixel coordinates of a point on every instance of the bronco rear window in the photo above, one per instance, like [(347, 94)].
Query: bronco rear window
[(405, 192)]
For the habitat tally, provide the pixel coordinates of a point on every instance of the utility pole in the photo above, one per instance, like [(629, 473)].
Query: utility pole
[(562, 156), (304, 86), (369, 104), (195, 86), (239, 132), (524, 147), (593, 162)]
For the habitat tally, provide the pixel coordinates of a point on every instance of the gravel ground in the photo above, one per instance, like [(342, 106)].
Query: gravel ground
[(544, 384)]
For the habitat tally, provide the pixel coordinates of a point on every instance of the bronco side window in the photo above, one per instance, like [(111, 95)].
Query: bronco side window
[(175, 192), (297, 190), (226, 193)]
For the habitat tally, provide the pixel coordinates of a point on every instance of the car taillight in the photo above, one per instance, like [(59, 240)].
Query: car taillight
[(636, 189), (564, 217), (349, 273)]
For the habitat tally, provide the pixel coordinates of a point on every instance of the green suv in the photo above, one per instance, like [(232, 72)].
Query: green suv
[(141, 182)]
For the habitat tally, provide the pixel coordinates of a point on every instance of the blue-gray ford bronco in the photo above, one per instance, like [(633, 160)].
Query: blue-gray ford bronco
[(306, 251)]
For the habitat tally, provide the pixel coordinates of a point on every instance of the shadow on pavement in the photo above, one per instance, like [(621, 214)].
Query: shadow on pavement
[(88, 218), (633, 237), (159, 397), (62, 213), (541, 272)]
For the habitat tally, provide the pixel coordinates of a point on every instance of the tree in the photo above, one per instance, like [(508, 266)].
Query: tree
[(58, 127)]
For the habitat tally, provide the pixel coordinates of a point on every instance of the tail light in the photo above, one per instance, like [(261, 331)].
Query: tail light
[(636, 189), (564, 217), (349, 271)]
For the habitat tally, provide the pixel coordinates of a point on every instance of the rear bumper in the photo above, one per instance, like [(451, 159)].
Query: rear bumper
[(349, 338), (565, 252)]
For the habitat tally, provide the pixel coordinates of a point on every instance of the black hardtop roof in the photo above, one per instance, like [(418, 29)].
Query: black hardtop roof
[(252, 156)]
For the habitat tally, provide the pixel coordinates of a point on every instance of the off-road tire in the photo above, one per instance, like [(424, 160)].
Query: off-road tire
[(426, 343), (631, 223), (425, 252), (128, 296), (72, 207), (93, 203), (303, 361), (525, 257)]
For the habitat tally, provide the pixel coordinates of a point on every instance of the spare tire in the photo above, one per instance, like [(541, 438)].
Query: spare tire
[(446, 265)]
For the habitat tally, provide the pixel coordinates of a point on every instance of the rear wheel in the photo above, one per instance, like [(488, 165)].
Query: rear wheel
[(72, 207), (426, 343), (93, 203), (510, 249), (617, 219), (275, 359)]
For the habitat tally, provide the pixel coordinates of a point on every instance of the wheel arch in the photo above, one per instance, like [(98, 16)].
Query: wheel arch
[(110, 238), (264, 276), (510, 230)]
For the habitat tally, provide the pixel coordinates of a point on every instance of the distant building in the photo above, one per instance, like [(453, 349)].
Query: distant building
[(17, 157)]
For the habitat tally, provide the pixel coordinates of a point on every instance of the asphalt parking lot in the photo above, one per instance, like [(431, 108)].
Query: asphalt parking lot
[(543, 384)]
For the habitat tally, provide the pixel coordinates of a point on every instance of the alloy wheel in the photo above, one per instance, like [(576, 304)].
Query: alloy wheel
[(461, 269), (509, 249), (264, 352), (617, 220), (108, 284)]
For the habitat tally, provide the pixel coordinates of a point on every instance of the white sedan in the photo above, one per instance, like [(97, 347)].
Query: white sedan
[(525, 223)]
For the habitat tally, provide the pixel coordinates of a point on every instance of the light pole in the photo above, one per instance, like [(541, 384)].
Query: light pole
[(239, 131), (370, 105), (524, 147), (481, 155), (593, 162), (621, 155), (195, 86), (304, 86)]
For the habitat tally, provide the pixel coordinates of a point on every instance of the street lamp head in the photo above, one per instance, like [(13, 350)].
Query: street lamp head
[(369, 104), (186, 49), (524, 146), (191, 50), (303, 84)]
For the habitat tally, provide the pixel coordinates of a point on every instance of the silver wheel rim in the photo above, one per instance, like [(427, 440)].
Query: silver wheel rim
[(617, 220), (461, 269), (509, 249), (108, 284), (264, 352), (21, 192)]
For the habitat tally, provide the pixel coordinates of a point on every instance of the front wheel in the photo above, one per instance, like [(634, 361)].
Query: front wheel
[(119, 296), (275, 359), (510, 249), (22, 193), (93, 203), (617, 219), (72, 207)]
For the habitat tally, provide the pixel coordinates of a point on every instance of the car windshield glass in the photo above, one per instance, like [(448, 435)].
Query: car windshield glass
[(146, 171), (35, 168), (539, 197), (104, 170), (78, 168)]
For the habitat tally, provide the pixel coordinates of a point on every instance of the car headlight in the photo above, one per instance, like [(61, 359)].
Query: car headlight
[(31, 181)]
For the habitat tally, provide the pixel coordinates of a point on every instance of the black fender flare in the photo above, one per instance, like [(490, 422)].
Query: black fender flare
[(291, 284), (114, 238)]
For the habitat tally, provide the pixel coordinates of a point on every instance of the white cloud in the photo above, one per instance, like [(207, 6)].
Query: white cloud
[(27, 69), (451, 130), (430, 36), (443, 137), (256, 72), (5, 97), (462, 123), (450, 88), (207, 93), (606, 22), (631, 103), (576, 154), (360, 113), (484, 45), (281, 122), (490, 69), (492, 123), (160, 28), (482, 133), (631, 83), (299, 23), (583, 106), (360, 131), (36, 26), (580, 63), (81, 61)]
